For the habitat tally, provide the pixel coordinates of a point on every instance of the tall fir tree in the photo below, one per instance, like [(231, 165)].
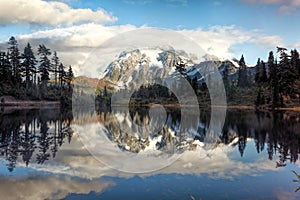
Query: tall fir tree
[(257, 71), (271, 64), (55, 65), (242, 73), (275, 85), (263, 72), (295, 64), (14, 59), (61, 76), (45, 65), (285, 73), (28, 64), (5, 68), (69, 78)]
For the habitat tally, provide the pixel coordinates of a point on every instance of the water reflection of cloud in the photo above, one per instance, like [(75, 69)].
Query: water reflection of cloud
[(283, 195), (48, 187), (74, 160)]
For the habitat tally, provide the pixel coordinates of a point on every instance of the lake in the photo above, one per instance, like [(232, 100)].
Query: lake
[(120, 153)]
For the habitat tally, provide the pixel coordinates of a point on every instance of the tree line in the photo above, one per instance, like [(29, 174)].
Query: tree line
[(276, 81), (24, 76)]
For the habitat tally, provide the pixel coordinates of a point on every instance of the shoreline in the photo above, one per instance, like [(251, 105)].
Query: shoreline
[(27, 104), (242, 107)]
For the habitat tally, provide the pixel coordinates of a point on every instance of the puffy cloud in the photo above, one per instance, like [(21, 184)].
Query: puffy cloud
[(47, 13), (75, 44), (217, 40), (46, 187)]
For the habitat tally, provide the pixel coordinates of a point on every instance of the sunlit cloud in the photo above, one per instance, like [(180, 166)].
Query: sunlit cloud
[(75, 43), (48, 13), (48, 187), (270, 41)]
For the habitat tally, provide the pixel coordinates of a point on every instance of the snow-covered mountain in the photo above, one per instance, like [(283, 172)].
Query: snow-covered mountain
[(135, 67), (132, 68)]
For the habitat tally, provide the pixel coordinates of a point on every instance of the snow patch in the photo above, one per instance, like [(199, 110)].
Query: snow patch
[(153, 55), (152, 143), (128, 81), (198, 143)]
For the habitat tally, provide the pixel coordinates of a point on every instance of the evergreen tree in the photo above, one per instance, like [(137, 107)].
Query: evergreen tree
[(285, 73), (242, 73), (5, 68), (14, 59), (61, 76), (69, 78), (274, 79), (55, 65), (295, 64), (271, 65), (28, 64), (257, 71), (263, 72), (45, 65), (275, 85)]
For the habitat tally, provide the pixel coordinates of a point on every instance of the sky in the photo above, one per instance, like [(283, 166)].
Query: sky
[(222, 28)]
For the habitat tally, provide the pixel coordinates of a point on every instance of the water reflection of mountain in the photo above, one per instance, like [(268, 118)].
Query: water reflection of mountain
[(279, 132), (33, 135), (36, 135)]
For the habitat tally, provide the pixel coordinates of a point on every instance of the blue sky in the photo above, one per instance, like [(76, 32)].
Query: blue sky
[(233, 27), (191, 14)]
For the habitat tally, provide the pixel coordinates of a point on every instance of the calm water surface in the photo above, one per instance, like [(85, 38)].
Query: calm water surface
[(43, 156)]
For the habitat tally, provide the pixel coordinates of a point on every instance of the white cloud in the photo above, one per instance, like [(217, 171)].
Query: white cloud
[(270, 41), (51, 13), (217, 40), (74, 44), (296, 45), (85, 35), (46, 187), (285, 6)]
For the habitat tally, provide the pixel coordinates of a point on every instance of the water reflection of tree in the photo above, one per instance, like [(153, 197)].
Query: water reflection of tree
[(279, 131), (33, 134)]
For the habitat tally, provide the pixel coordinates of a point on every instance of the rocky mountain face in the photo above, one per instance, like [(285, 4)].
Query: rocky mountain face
[(140, 66), (135, 67)]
